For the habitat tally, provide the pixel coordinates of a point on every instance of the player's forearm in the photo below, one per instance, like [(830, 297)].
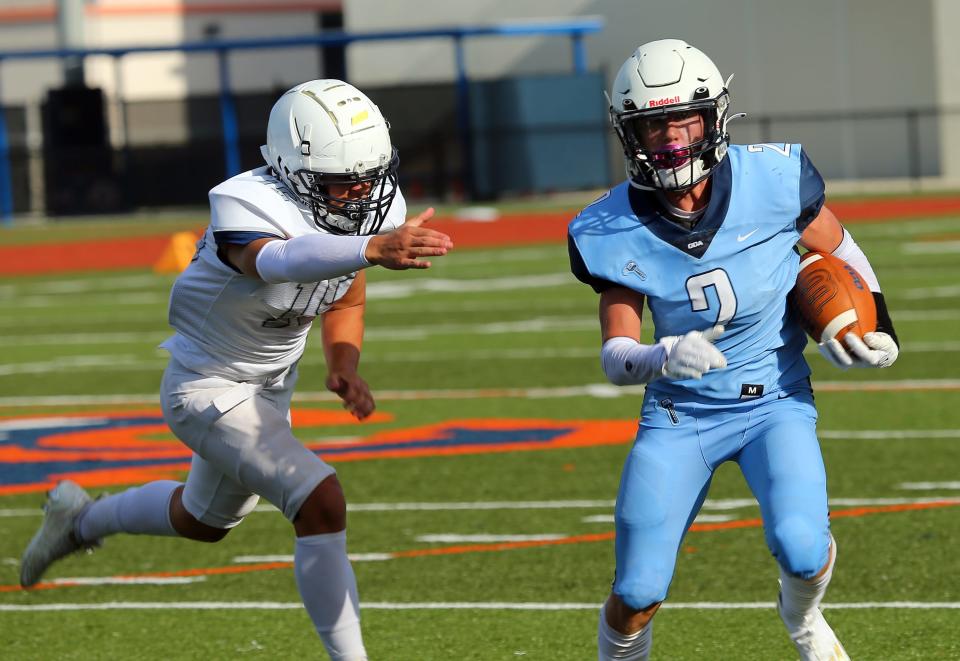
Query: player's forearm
[(311, 258), (343, 338), (851, 253)]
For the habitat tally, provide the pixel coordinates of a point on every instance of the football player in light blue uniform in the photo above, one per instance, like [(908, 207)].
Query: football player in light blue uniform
[(707, 233)]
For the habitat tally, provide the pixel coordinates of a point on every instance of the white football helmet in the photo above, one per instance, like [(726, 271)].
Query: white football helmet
[(660, 79), (325, 132)]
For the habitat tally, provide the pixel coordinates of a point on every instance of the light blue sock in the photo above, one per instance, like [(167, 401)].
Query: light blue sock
[(139, 511), (328, 589)]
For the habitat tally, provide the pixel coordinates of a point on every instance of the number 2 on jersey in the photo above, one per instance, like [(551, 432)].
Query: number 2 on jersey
[(783, 150), (718, 279)]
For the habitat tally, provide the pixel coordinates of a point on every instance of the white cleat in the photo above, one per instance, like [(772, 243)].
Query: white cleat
[(55, 539), (815, 639)]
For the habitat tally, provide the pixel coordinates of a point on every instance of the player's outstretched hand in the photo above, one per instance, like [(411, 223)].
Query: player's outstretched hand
[(693, 355), (403, 247), (354, 392), (874, 350)]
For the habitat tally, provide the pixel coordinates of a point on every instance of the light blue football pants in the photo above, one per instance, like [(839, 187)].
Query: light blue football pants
[(666, 477)]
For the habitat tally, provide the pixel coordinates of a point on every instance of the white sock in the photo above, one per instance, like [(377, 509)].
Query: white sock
[(800, 598), (139, 511), (329, 592), (613, 645)]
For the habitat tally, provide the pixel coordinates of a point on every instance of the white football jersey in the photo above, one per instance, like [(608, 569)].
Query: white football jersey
[(241, 328)]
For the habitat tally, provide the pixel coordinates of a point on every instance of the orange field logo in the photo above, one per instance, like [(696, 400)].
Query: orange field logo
[(101, 449)]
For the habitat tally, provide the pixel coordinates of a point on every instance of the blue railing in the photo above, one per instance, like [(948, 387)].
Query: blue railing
[(575, 29)]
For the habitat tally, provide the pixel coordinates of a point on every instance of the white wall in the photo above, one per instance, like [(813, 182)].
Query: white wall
[(432, 60), (788, 57)]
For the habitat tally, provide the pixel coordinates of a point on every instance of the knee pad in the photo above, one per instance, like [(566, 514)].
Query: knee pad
[(642, 589), (800, 546)]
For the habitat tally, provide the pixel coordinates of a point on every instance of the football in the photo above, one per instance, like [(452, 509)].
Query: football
[(832, 299)]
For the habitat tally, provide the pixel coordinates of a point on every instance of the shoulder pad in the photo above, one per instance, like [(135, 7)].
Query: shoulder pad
[(253, 201)]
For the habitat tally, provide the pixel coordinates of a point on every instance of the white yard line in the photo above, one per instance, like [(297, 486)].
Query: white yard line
[(129, 580), (48, 423), (540, 324), (146, 298), (887, 434), (158, 362), (930, 347), (256, 559), (385, 290), (128, 363), (930, 247), (928, 486), (590, 390), (887, 386), (20, 321), (468, 506), (385, 308), (701, 518), (913, 229), (61, 339), (598, 390), (456, 605), (713, 518), (451, 538), (925, 315), (354, 557), (710, 504), (404, 332), (532, 325), (481, 354), (77, 285), (69, 364), (923, 293), (521, 255), (722, 504), (735, 503)]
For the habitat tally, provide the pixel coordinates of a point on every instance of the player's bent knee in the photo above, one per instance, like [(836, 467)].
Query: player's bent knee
[(324, 510), (643, 592), (799, 546), (188, 526), (209, 534)]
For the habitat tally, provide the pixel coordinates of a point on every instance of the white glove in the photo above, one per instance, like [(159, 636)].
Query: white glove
[(874, 350), (693, 355)]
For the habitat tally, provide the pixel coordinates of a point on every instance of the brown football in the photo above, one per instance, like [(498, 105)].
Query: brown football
[(832, 299)]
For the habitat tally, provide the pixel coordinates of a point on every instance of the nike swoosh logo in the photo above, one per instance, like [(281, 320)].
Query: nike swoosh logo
[(744, 237)]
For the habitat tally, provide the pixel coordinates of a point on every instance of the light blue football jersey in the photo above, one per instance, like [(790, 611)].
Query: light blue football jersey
[(734, 268)]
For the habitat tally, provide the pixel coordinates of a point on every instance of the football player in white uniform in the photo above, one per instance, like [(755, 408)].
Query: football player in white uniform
[(287, 243)]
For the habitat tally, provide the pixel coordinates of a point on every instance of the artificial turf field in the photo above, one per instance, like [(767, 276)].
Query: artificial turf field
[(482, 498)]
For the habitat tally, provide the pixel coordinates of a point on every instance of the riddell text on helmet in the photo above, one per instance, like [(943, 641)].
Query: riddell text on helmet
[(656, 103)]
